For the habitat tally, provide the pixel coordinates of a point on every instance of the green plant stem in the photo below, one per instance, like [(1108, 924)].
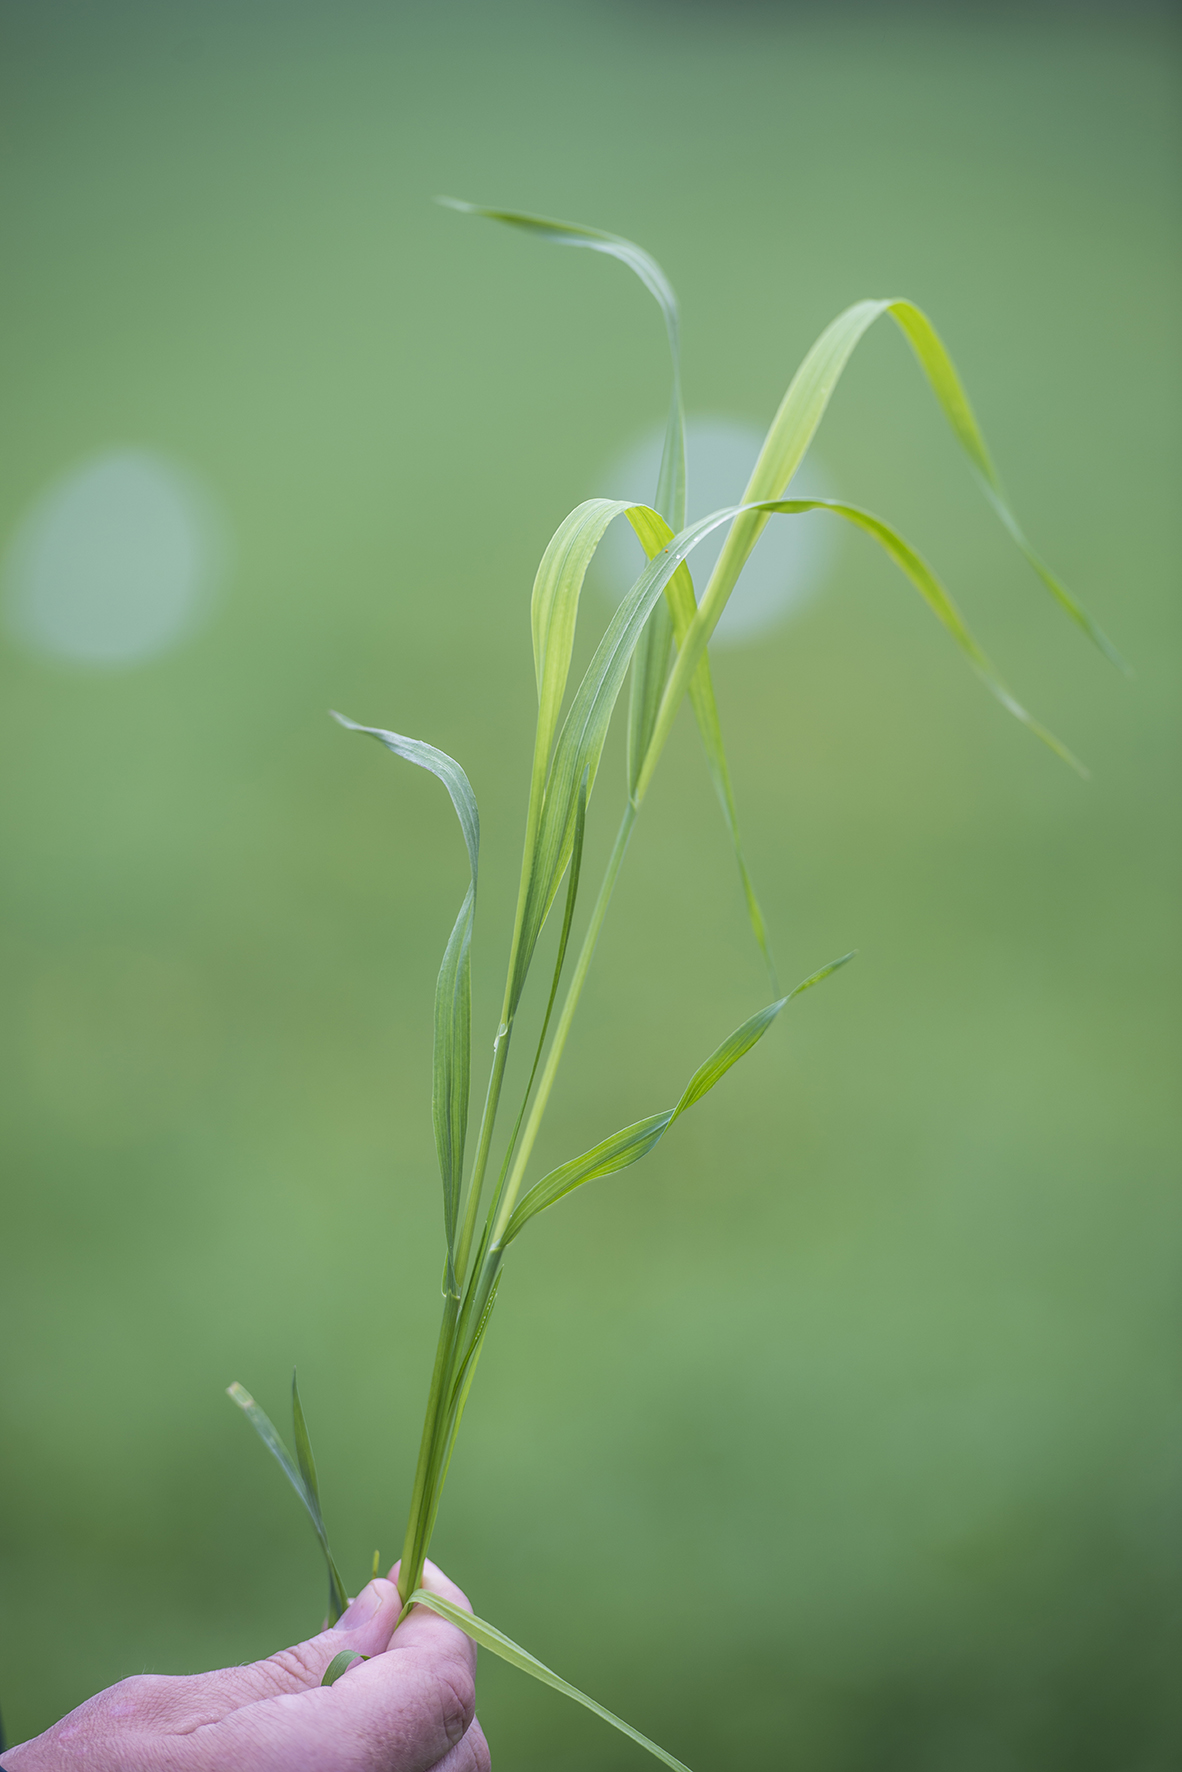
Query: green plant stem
[(458, 1320), (414, 1547), (424, 1499), (570, 1004), (488, 1120)]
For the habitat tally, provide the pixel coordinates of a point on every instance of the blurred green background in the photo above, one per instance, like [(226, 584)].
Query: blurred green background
[(845, 1433)]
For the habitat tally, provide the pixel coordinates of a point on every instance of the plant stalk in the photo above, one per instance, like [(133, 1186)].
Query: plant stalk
[(570, 1004), (488, 1119), (414, 1548)]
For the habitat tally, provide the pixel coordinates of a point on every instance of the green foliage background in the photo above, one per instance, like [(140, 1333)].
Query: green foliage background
[(844, 1434)]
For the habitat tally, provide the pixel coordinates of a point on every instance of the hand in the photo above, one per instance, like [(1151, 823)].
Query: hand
[(409, 1709)]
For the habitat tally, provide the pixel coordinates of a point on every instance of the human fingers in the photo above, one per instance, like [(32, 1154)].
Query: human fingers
[(399, 1712), (406, 1710), (472, 1754), (135, 1711), (365, 1627), (425, 1628)]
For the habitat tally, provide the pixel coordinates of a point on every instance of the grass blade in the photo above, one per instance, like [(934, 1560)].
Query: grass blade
[(577, 752), (452, 1062), (671, 483), (634, 1142), (651, 659), (580, 741), (293, 1471), (942, 605), (804, 406), (654, 534), (554, 607), (488, 1637), (619, 1151), (303, 1446), (738, 1044), (693, 646), (791, 432), (584, 731), (937, 365), (448, 771), (553, 613), (340, 1664)]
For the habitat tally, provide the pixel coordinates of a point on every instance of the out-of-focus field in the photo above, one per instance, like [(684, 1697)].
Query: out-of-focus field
[(844, 1434)]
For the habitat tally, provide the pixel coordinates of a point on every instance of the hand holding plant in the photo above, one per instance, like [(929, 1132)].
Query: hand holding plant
[(658, 636), (408, 1704)]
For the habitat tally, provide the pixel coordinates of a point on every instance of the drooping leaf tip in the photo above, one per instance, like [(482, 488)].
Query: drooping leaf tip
[(822, 972)]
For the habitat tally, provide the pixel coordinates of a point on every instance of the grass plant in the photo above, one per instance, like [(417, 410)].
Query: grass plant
[(658, 637)]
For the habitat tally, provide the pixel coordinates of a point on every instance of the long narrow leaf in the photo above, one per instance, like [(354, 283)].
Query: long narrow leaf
[(942, 606), (619, 1151), (452, 1065), (693, 645), (554, 613), (554, 606), (634, 1142), (652, 651), (584, 731), (803, 407), (580, 742), (438, 763), (937, 365), (791, 432), (671, 486), (581, 739), (488, 1637), (303, 1447), (295, 1475), (912, 563), (654, 534), (651, 657)]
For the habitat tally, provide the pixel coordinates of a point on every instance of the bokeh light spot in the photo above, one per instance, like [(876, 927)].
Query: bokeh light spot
[(115, 563), (792, 559)]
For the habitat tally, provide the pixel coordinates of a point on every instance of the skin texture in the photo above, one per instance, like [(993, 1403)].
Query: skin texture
[(409, 1709)]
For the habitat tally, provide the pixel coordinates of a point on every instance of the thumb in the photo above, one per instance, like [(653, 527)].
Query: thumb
[(181, 1705), (367, 1623), (366, 1628)]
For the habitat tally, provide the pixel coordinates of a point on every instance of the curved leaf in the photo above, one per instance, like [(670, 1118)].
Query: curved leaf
[(439, 764), (671, 484), (452, 1064), (654, 534), (301, 1476), (340, 1664), (487, 1636), (791, 432), (695, 637), (650, 662), (634, 1142)]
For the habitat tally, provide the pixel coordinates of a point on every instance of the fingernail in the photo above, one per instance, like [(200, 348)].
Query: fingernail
[(362, 1609)]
